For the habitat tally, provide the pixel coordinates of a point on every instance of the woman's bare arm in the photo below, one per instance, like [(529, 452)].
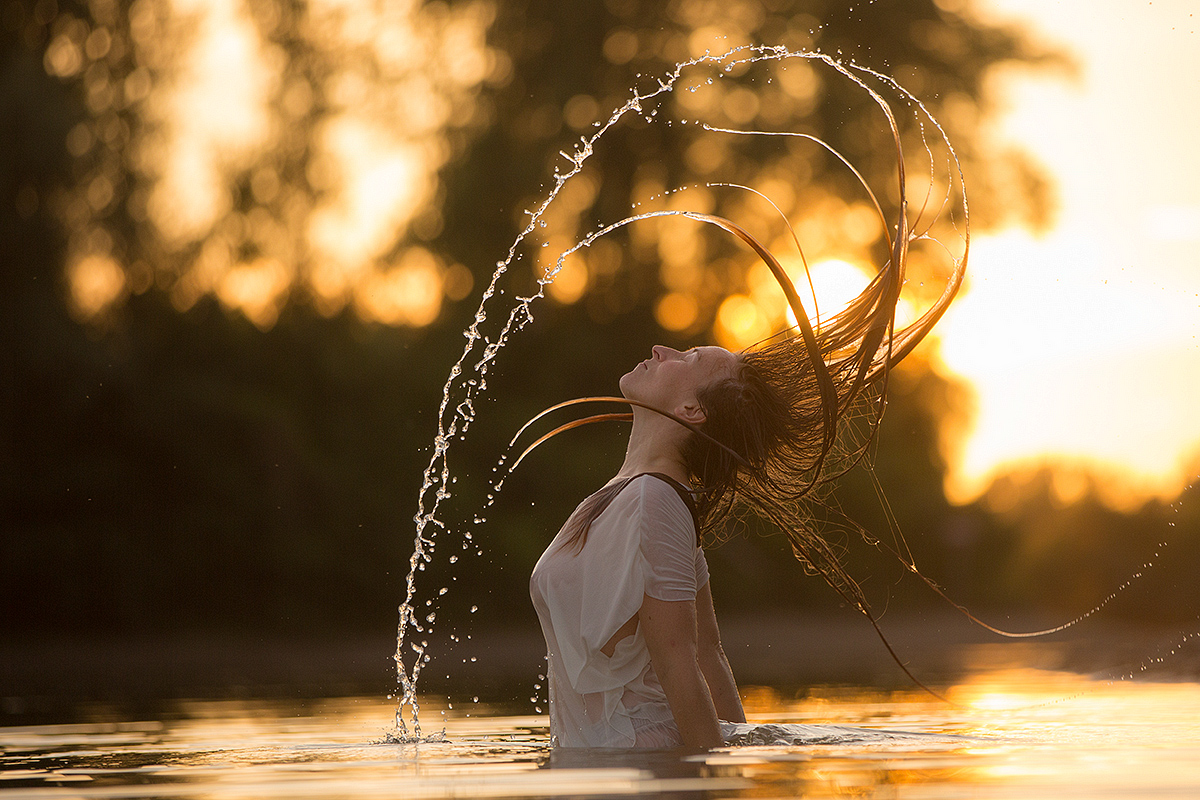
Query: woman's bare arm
[(713, 664), (670, 631)]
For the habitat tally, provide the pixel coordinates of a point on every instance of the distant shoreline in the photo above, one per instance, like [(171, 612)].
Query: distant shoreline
[(50, 676)]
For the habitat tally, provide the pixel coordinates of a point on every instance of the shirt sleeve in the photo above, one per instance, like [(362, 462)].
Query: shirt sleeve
[(701, 568), (668, 542)]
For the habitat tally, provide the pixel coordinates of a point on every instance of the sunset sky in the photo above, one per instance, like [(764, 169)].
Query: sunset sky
[(1083, 343)]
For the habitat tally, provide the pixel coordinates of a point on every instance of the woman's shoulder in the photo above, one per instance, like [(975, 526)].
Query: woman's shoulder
[(660, 487), (659, 498)]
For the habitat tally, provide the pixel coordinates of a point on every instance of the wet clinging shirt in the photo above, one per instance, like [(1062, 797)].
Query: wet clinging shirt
[(643, 543)]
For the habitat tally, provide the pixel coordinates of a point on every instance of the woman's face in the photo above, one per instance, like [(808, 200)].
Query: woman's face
[(669, 379)]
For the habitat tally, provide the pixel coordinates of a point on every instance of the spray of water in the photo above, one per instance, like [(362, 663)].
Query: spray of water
[(468, 376)]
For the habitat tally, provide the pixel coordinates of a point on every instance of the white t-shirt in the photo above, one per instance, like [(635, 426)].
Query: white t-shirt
[(643, 543)]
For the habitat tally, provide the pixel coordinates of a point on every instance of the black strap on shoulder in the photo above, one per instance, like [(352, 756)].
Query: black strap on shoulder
[(684, 494)]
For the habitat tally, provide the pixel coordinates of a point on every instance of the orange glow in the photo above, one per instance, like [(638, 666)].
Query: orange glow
[(64, 56), (409, 294), (581, 111), (676, 311), (257, 289), (1066, 360), (213, 116), (570, 283), (740, 322), (257, 170), (834, 284), (96, 282), (561, 231), (381, 183), (714, 38), (260, 170), (1081, 345), (457, 282), (800, 80)]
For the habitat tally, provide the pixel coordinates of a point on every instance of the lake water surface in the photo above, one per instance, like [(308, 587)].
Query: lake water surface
[(1014, 734)]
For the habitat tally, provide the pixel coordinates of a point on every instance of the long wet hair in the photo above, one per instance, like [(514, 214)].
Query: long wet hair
[(801, 407), (800, 410)]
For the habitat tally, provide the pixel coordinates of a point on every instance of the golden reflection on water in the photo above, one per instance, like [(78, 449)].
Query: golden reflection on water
[(1013, 734)]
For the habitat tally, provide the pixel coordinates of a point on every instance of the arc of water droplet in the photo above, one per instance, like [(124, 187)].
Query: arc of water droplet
[(436, 475)]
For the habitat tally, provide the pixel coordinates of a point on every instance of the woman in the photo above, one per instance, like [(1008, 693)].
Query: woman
[(622, 592)]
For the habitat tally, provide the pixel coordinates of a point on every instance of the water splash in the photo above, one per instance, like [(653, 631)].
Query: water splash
[(468, 376)]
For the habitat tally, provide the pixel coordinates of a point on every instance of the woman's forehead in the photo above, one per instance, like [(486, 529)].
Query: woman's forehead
[(716, 358), (717, 354)]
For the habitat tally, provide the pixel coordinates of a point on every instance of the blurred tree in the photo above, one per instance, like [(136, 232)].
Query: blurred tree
[(360, 148), (573, 63), (194, 437), (1056, 545)]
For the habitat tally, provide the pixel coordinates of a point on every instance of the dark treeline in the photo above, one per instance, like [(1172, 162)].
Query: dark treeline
[(167, 470), (206, 475)]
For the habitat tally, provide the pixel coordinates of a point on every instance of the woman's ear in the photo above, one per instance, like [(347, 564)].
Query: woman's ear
[(692, 412)]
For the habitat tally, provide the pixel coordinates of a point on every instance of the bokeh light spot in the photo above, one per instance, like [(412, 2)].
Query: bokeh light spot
[(581, 111), (63, 57), (621, 46), (381, 182), (676, 311), (409, 294), (457, 282), (740, 323), (570, 283), (835, 283), (95, 283), (257, 289)]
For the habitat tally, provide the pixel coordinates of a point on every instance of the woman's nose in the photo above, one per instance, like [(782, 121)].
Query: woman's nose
[(661, 351)]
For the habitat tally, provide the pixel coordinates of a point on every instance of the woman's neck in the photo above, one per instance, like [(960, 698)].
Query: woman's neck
[(654, 447)]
